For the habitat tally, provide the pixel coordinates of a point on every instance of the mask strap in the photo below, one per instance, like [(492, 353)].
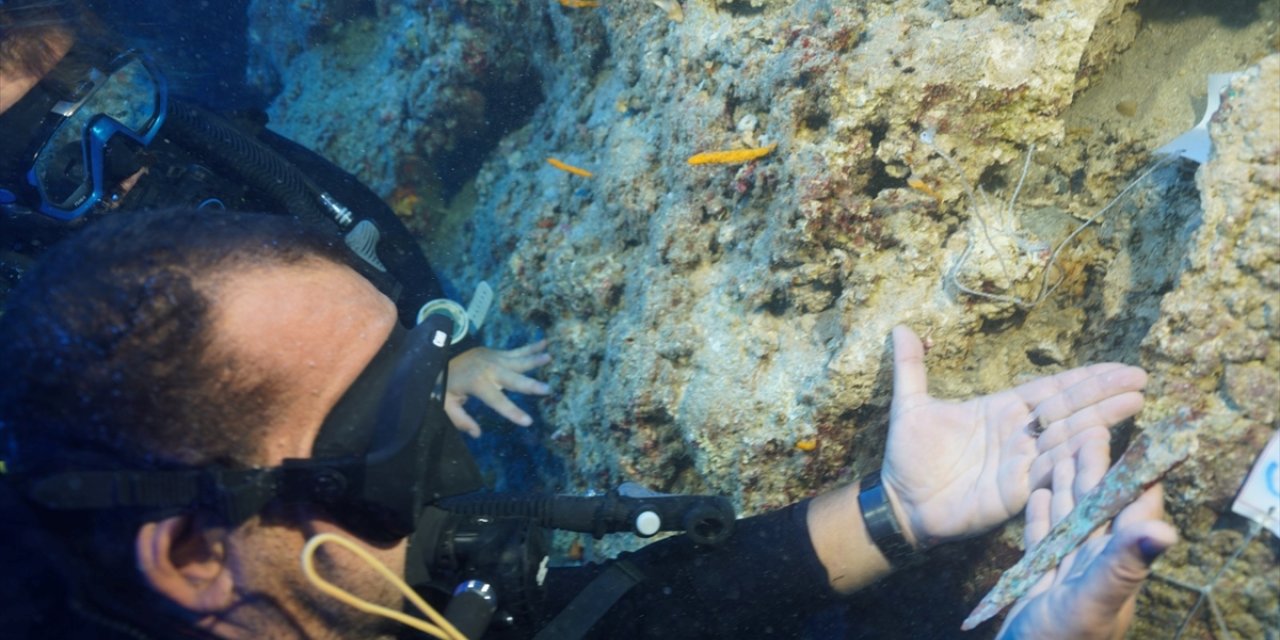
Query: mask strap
[(442, 629)]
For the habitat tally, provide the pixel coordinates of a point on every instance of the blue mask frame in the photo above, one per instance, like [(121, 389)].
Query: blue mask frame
[(48, 106)]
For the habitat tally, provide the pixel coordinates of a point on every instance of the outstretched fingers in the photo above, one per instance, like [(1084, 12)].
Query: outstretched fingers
[(530, 356), (533, 348), (909, 377), (1043, 465), (462, 421), (522, 384), (1096, 396), (1064, 499), (1092, 461), (1038, 520), (1073, 478), (499, 402), (1104, 413), (1038, 524), (1099, 380)]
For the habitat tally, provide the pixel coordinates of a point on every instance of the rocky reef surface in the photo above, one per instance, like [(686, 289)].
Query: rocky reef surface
[(723, 328), (1216, 348)]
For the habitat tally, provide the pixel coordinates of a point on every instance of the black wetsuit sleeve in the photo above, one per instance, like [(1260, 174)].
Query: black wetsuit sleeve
[(398, 248), (762, 582)]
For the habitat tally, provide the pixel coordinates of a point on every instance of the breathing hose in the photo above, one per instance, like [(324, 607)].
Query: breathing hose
[(705, 519), (234, 152), (262, 168)]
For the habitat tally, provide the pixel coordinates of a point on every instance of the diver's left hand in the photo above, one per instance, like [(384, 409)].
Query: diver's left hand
[(1091, 594), (485, 374), (957, 469)]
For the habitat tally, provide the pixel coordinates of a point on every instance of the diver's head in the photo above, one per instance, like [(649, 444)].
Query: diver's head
[(76, 111), (161, 344)]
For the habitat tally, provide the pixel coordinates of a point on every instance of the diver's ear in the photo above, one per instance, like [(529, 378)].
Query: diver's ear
[(187, 563)]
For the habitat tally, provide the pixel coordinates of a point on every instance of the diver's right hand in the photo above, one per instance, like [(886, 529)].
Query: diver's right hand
[(485, 373)]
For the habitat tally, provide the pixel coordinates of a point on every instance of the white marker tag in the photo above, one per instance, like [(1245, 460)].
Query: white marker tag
[(1194, 143), (480, 303), (440, 339), (1259, 498)]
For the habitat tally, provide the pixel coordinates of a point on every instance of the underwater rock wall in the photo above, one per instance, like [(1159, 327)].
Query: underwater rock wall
[(1216, 349), (707, 319), (409, 96), (723, 328)]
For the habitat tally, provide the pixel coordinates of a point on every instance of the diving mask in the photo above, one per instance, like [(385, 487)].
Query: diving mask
[(385, 452), (74, 136)]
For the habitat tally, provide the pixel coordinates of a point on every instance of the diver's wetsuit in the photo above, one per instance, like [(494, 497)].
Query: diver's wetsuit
[(764, 581)]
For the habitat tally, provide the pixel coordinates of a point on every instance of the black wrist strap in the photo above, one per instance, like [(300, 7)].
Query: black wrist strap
[(881, 523)]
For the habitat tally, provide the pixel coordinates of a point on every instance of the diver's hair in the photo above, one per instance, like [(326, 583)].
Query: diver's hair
[(110, 362), (28, 29), (106, 342)]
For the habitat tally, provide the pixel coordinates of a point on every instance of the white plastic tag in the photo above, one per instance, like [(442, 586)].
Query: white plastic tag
[(1194, 143), (480, 303), (1259, 498)]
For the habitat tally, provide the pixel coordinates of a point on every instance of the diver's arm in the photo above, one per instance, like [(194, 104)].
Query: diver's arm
[(764, 576), (842, 542)]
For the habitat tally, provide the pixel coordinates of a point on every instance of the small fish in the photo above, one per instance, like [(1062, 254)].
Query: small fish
[(732, 156), (923, 187), (1149, 457), (579, 4), (807, 444), (577, 171)]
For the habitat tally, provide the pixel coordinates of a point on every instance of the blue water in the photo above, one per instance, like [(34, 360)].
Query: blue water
[(202, 46)]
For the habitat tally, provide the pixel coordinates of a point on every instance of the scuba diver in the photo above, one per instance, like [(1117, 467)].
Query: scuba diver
[(217, 423), (221, 424), (90, 130)]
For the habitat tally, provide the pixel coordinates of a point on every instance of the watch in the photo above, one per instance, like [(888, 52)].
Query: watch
[(881, 523)]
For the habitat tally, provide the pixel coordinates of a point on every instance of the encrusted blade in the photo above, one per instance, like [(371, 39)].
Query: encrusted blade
[(1149, 457)]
